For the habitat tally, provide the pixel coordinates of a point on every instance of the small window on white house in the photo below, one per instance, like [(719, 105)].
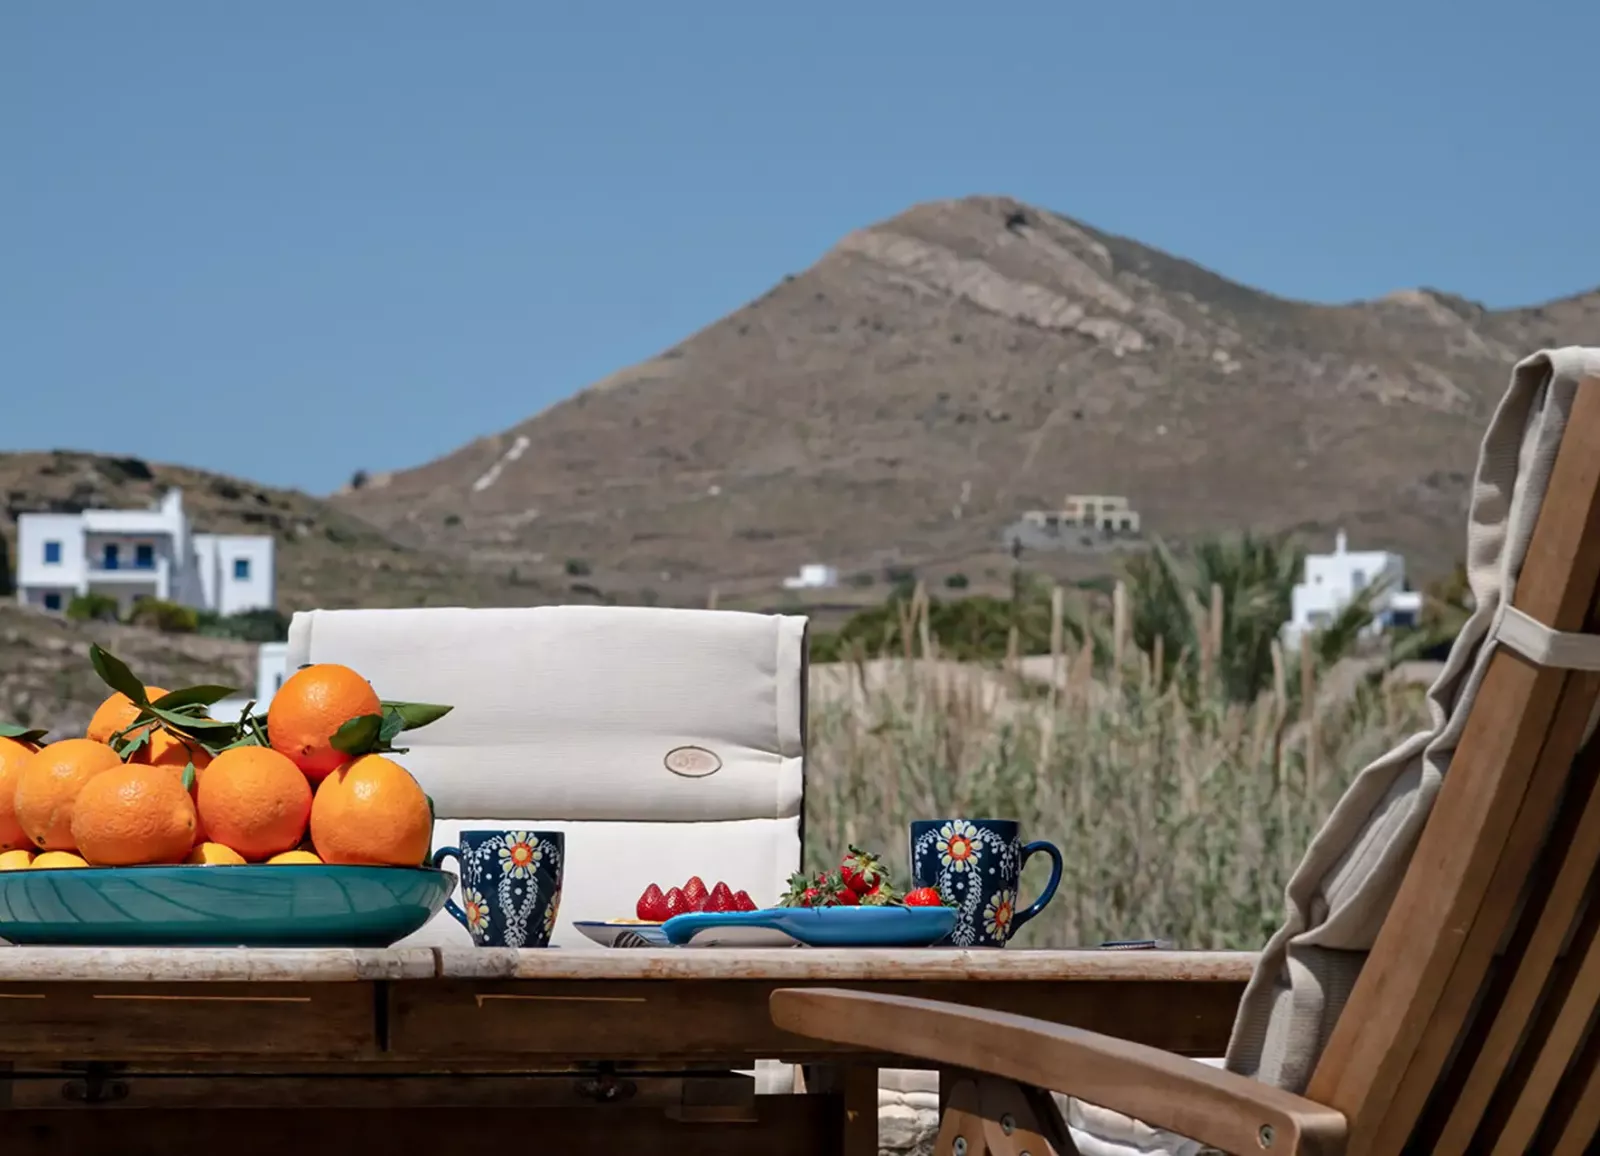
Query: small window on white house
[(52, 601), (241, 569), (52, 553), (1358, 579)]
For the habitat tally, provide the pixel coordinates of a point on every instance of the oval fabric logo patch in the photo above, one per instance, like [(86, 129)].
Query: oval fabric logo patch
[(692, 762)]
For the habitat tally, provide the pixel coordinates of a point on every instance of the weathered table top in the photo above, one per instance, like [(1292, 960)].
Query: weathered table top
[(53, 965)]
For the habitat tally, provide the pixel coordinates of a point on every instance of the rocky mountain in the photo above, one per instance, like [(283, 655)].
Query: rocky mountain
[(937, 373)]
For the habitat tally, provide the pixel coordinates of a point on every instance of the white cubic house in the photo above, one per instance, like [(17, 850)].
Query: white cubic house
[(1332, 580), (134, 554)]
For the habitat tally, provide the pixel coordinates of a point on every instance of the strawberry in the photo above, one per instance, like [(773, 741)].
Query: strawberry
[(845, 897), (676, 903), (652, 905), (695, 892), (924, 897), (720, 899), (743, 902), (862, 872)]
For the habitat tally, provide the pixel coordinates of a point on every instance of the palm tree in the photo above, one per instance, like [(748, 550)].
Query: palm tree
[(1219, 612)]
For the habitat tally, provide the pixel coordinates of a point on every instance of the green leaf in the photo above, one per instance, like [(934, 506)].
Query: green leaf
[(197, 727), (432, 814), (127, 746), (393, 724), (359, 735), (20, 733), (417, 714), (188, 776), (115, 674), (191, 696)]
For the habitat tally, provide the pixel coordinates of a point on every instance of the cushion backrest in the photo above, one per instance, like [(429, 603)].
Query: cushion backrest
[(663, 743)]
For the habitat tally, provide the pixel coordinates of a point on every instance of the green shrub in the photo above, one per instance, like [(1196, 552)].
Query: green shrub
[(267, 625), (956, 582), (167, 617), (93, 607)]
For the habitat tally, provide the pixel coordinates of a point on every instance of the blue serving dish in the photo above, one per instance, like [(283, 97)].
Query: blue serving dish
[(813, 927), (283, 905)]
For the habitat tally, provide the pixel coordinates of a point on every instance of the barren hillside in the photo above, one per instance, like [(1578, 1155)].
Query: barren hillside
[(935, 374)]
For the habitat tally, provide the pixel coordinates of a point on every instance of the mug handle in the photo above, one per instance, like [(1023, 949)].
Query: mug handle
[(1054, 852), (450, 905)]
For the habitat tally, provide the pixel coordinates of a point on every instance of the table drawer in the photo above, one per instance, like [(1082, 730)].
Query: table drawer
[(129, 1021), (728, 1020)]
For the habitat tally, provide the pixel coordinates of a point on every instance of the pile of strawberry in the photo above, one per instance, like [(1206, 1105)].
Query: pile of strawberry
[(861, 881), (656, 907)]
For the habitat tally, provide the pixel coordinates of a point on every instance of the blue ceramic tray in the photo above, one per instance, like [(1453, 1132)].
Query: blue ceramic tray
[(814, 927), (309, 905)]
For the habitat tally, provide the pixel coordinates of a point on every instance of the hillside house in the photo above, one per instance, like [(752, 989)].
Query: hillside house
[(1083, 521), (131, 555), (1332, 580), (813, 576)]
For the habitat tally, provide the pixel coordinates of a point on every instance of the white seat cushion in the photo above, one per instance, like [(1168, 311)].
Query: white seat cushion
[(663, 743)]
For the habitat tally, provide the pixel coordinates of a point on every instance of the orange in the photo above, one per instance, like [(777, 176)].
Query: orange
[(49, 785), (131, 815), (117, 714), (214, 855), (371, 811), (58, 859), (310, 707), (12, 757), (15, 860), (254, 800), (166, 749), (289, 857)]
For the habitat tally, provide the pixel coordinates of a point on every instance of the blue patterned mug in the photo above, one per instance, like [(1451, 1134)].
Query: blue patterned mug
[(977, 864), (510, 885)]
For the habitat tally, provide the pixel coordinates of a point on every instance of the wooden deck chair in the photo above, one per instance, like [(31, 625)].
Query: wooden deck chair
[(1434, 988)]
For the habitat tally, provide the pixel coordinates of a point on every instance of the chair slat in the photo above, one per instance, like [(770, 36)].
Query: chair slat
[(1573, 1119), (1515, 741), (1553, 898), (1554, 1041)]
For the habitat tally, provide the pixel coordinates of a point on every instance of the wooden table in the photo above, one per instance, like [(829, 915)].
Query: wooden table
[(303, 1052)]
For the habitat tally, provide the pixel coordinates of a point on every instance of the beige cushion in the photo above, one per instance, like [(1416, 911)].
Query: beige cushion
[(568, 718)]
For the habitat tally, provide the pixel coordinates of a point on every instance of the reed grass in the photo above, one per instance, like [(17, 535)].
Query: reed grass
[(1180, 813)]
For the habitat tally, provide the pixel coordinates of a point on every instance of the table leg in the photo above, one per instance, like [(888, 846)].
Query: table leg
[(856, 1086)]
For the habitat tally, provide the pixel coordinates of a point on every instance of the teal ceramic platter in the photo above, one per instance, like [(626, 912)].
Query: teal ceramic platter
[(813, 927), (299, 905)]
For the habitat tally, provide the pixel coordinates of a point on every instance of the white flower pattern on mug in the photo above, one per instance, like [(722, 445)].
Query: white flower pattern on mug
[(477, 910), (998, 913), (958, 845), (550, 915), (520, 854)]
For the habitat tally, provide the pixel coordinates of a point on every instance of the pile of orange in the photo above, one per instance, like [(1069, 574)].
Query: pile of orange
[(77, 803)]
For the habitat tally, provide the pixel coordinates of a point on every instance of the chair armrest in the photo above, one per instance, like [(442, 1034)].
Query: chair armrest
[(1215, 1107)]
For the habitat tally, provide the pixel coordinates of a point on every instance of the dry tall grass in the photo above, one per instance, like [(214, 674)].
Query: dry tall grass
[(1179, 820)]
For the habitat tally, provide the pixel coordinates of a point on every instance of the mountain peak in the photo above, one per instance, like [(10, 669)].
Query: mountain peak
[(937, 372)]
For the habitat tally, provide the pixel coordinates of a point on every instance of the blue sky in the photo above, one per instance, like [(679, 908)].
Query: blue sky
[(289, 240)]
